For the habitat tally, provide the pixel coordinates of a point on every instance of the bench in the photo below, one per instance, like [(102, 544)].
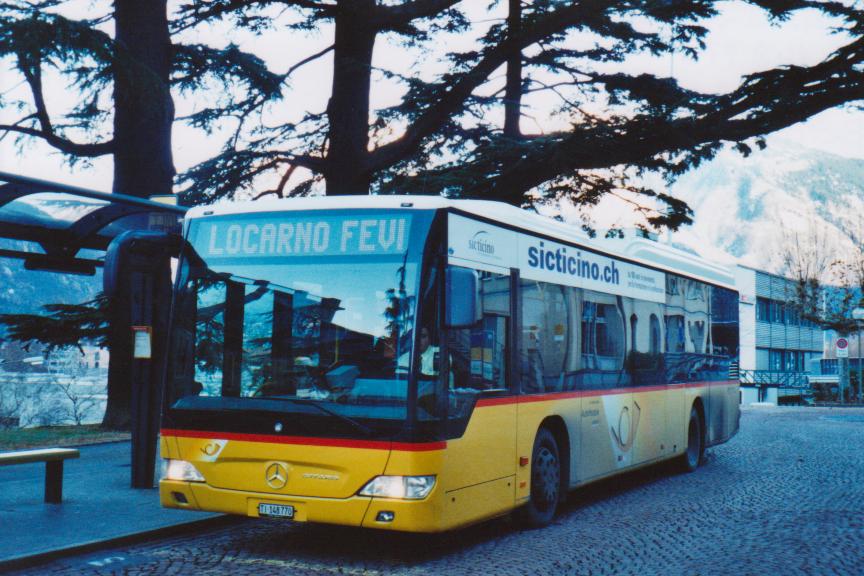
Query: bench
[(53, 458)]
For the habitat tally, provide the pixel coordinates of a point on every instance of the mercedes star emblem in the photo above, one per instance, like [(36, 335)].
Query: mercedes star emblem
[(276, 475)]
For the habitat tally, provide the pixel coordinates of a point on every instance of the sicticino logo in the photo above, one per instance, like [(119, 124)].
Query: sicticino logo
[(481, 243)]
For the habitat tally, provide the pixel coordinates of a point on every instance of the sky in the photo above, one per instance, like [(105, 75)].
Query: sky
[(741, 41)]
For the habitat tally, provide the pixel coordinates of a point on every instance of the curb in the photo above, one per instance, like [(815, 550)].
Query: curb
[(30, 560), (838, 405)]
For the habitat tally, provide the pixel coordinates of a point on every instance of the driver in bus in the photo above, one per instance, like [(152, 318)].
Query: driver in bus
[(429, 358)]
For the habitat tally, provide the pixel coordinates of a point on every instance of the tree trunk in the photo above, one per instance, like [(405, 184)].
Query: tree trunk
[(513, 88), (348, 109), (513, 93), (143, 108), (143, 164), (118, 414)]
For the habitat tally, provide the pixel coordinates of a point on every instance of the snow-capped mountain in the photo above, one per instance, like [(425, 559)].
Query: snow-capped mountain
[(750, 209)]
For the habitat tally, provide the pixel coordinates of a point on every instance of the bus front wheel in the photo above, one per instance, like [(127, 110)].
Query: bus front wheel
[(545, 481), (692, 457)]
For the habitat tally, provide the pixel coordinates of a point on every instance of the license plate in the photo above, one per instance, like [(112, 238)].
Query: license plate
[(276, 510)]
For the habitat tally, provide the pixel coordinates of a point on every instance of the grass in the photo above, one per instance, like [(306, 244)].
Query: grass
[(56, 436)]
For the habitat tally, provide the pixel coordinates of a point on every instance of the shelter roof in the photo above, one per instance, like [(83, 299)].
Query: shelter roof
[(55, 226)]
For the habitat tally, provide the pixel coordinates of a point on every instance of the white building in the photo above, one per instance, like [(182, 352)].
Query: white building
[(777, 346)]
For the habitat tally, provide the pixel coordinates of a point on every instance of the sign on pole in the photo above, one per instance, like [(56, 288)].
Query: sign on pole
[(142, 348), (842, 346)]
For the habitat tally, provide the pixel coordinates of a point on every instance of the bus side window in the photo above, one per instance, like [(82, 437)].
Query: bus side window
[(603, 342), (546, 358)]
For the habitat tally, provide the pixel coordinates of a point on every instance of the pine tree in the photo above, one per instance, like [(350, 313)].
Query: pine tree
[(645, 123), (123, 83), (342, 131), (62, 325), (617, 125)]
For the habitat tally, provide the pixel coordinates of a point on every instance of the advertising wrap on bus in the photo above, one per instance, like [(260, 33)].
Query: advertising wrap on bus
[(550, 261), (302, 235)]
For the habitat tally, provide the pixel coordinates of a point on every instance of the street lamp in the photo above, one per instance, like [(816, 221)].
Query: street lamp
[(858, 315)]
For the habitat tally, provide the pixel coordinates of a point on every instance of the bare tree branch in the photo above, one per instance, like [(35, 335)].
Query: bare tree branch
[(308, 59), (280, 188), (62, 144)]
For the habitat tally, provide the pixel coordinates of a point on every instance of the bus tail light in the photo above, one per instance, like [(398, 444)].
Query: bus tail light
[(401, 487), (180, 470)]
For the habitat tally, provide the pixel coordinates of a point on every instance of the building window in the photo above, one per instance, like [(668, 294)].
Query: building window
[(776, 312), (779, 313), (786, 361), (763, 309)]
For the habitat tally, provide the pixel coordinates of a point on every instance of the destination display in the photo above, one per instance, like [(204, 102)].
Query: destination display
[(283, 234)]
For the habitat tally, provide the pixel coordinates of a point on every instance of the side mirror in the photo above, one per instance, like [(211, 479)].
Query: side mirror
[(462, 298)]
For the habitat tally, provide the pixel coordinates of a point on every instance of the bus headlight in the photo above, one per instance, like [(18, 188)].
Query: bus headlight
[(401, 487), (180, 470)]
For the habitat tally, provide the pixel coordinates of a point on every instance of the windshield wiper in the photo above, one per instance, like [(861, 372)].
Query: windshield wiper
[(307, 402), (361, 427)]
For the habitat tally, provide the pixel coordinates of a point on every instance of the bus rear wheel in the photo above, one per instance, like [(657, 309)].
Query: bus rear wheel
[(692, 457), (545, 481)]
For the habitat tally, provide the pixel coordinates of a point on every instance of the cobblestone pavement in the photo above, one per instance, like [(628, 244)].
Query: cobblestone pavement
[(786, 496)]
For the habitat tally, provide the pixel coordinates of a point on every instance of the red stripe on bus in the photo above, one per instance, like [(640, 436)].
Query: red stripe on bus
[(428, 446), (306, 441), (484, 402), (420, 447), (496, 401)]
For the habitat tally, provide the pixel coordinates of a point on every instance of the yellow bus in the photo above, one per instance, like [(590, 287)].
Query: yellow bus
[(421, 364)]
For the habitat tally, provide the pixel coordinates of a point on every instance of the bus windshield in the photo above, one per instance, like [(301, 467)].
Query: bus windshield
[(304, 313)]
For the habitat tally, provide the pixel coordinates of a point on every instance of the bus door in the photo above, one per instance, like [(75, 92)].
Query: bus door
[(609, 419), (549, 367), (481, 460), (607, 433), (647, 377)]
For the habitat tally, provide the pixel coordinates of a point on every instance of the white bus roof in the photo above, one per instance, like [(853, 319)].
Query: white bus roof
[(638, 250)]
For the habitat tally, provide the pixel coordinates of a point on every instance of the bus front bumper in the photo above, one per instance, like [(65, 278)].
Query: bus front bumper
[(381, 513)]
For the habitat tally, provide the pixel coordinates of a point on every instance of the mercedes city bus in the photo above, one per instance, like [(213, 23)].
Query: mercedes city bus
[(420, 364)]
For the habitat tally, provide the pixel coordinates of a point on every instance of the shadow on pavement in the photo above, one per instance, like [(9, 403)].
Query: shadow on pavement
[(356, 545)]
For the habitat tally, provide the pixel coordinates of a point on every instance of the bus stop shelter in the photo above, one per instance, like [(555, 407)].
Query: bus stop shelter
[(69, 230)]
